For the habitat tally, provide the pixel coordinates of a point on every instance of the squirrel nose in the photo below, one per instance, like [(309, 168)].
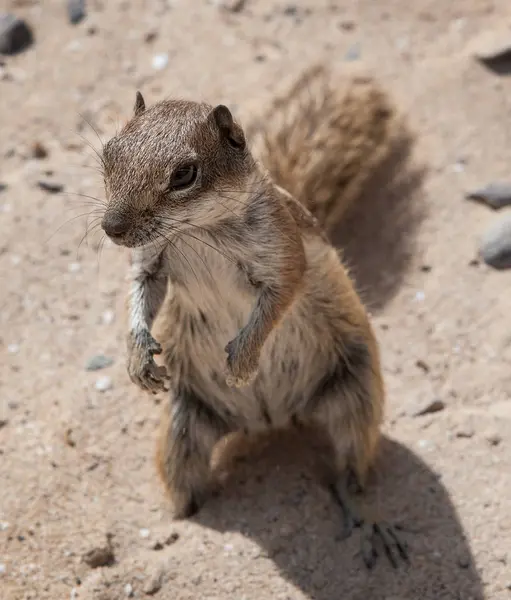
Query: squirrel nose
[(115, 225)]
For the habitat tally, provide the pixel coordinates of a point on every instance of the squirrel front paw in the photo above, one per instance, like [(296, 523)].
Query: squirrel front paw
[(142, 368), (242, 363)]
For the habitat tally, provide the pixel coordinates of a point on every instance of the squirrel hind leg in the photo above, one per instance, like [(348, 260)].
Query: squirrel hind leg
[(190, 429), (346, 411)]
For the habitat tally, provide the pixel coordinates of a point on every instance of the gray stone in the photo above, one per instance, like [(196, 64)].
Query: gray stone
[(428, 407), (495, 245), (100, 361), (496, 194), (76, 10), (15, 34)]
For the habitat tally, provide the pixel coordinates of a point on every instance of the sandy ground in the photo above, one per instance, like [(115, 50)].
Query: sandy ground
[(77, 463)]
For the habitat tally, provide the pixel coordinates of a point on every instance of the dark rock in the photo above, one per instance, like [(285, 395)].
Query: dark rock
[(15, 34), (39, 151), (50, 186), (496, 194), (495, 246), (76, 10), (429, 407), (99, 557), (3, 187)]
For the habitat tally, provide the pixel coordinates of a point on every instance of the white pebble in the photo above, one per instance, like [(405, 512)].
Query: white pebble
[(13, 348), (108, 317), (144, 533), (160, 61), (128, 590), (419, 296), (424, 444), (4, 525), (74, 594), (2, 568), (104, 383), (15, 259), (5, 208), (74, 267)]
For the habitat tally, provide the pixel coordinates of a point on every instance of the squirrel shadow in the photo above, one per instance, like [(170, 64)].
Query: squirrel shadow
[(377, 235), (271, 498)]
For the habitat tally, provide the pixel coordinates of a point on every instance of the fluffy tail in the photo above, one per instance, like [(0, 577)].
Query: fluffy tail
[(322, 142)]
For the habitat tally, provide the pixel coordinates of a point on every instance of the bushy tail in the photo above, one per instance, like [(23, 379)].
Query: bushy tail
[(321, 142)]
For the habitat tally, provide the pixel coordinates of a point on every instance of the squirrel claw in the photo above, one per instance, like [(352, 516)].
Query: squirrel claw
[(142, 369), (241, 370)]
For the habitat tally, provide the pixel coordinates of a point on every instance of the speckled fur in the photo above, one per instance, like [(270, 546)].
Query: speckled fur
[(236, 257)]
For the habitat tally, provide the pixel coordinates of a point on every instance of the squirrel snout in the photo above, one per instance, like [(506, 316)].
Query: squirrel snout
[(115, 224)]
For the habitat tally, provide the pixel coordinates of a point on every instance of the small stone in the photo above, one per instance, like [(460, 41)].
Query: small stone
[(51, 187), (493, 49), (3, 187), (99, 557), (496, 194), (493, 438), (422, 365), (160, 61), (13, 348), (144, 533), (104, 384), (465, 432), (495, 245), (39, 151), (76, 10), (128, 590), (428, 407), (108, 317), (3, 423), (4, 525), (353, 53), (74, 267), (464, 561), (100, 361), (291, 10), (154, 582), (15, 34), (232, 5), (3, 568)]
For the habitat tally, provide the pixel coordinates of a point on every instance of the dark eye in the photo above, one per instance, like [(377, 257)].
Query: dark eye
[(184, 177)]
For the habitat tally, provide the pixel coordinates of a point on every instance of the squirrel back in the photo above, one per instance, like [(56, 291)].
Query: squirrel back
[(321, 141)]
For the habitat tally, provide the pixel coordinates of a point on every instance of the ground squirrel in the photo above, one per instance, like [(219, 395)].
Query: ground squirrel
[(261, 325)]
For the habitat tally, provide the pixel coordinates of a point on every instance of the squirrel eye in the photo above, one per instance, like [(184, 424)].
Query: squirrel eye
[(184, 177)]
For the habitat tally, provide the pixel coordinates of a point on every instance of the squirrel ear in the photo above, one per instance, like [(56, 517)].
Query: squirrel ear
[(228, 128), (139, 104)]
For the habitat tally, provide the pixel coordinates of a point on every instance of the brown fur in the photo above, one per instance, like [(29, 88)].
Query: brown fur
[(236, 257)]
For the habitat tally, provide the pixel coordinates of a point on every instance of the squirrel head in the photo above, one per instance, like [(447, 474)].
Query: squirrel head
[(176, 165)]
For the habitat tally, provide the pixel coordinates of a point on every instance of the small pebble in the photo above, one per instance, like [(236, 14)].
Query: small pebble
[(353, 53), (495, 245), (104, 384), (4, 525), (99, 557), (128, 590), (496, 194), (428, 407), (231, 5), (465, 432), (74, 267), (493, 438), (3, 569), (160, 61), (420, 296), (13, 348), (108, 317), (493, 49), (3, 187), (76, 10), (100, 361), (15, 34), (3, 423), (144, 533), (39, 151), (154, 582), (50, 186)]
